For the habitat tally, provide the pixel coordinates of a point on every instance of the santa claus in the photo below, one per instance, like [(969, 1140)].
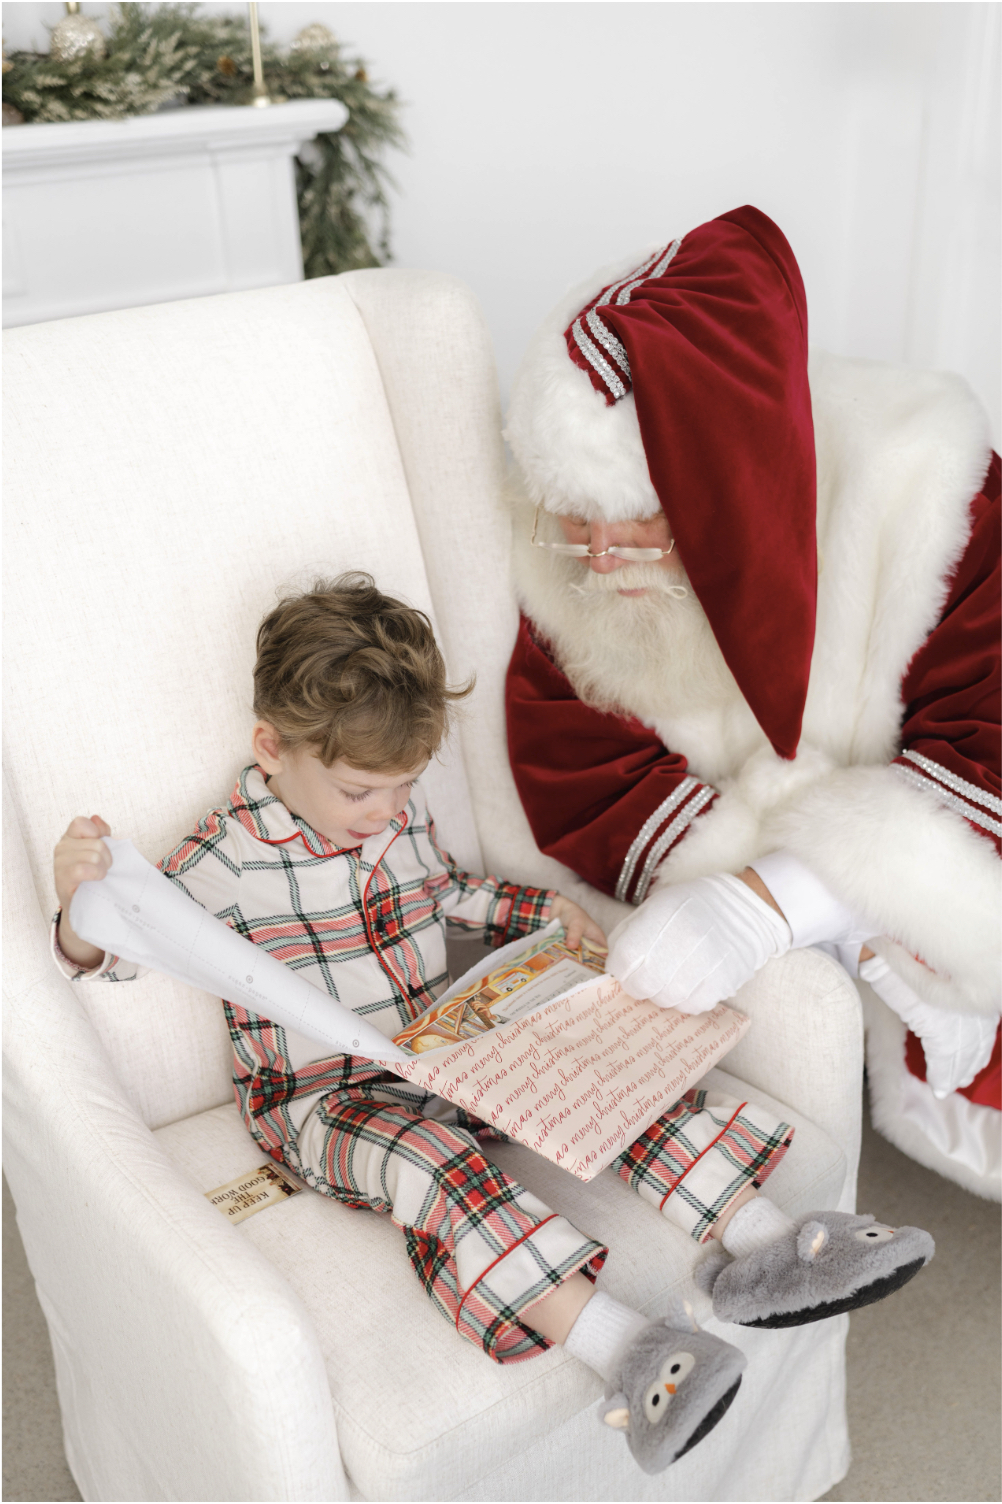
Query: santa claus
[(755, 690)]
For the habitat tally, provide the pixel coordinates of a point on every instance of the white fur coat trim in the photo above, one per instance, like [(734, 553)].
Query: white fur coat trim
[(915, 869)]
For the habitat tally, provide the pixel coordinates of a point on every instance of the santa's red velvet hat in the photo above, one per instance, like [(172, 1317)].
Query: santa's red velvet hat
[(680, 383)]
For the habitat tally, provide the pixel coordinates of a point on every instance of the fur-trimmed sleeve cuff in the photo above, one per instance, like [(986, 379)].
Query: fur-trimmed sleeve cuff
[(899, 853)]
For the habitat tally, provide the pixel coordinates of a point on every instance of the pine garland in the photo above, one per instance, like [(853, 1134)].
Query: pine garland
[(170, 53)]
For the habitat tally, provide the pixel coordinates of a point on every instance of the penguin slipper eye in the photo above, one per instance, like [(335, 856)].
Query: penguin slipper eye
[(677, 1367), (659, 1394), (874, 1234), (656, 1402)]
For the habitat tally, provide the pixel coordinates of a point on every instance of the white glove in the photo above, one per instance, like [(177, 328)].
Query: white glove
[(691, 945), (956, 1045), (811, 911)]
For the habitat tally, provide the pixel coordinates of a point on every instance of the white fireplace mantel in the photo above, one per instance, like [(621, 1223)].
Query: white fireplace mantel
[(101, 214)]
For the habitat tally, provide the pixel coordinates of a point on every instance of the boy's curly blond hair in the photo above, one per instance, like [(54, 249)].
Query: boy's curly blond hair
[(353, 674)]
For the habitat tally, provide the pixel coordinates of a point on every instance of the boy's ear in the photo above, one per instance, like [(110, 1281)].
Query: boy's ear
[(266, 744)]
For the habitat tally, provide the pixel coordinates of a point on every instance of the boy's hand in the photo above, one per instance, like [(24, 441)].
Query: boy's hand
[(577, 924), (80, 857)]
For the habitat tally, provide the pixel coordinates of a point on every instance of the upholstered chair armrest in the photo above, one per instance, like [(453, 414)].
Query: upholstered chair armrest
[(805, 1046), (183, 1354)]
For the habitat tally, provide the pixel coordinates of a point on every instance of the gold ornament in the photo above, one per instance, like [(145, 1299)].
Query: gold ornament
[(226, 66), (315, 38), (76, 37)]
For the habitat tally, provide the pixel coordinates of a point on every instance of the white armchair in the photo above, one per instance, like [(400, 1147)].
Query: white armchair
[(169, 469)]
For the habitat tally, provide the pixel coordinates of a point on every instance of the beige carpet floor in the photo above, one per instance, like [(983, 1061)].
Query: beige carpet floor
[(924, 1366)]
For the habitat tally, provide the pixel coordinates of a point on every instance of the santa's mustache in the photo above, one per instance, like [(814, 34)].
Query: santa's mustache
[(651, 577)]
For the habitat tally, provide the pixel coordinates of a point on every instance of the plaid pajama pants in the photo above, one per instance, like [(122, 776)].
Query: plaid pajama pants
[(486, 1249)]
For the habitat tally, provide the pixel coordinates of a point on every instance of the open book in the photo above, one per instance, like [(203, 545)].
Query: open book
[(538, 1040), (543, 1044)]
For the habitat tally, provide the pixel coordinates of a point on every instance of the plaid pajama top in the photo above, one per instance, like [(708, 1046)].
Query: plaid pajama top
[(367, 923)]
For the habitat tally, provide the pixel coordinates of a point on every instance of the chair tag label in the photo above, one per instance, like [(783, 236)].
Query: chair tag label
[(252, 1192)]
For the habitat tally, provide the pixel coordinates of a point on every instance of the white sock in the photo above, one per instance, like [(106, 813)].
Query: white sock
[(602, 1331), (755, 1225)]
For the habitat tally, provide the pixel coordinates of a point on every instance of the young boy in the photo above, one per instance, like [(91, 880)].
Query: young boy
[(325, 855)]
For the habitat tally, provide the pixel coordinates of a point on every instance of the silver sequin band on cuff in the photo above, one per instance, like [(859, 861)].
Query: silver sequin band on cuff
[(954, 801), (955, 782), (645, 832), (668, 839)]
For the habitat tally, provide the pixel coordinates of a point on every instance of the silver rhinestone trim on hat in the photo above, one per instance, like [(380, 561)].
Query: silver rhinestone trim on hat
[(610, 344), (662, 259), (619, 292), (597, 361)]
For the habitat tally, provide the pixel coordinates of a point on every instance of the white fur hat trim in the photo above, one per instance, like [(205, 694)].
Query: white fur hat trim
[(577, 455)]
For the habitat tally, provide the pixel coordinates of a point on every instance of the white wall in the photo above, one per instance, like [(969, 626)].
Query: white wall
[(547, 138)]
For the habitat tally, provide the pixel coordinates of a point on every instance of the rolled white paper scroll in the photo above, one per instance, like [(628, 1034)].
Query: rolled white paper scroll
[(137, 913)]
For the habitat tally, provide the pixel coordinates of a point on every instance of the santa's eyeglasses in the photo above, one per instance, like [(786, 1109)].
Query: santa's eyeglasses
[(582, 551)]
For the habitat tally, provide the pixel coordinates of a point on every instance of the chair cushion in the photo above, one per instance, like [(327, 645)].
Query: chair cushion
[(420, 1413)]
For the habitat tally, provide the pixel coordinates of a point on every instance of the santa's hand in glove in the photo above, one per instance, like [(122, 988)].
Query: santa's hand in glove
[(690, 945)]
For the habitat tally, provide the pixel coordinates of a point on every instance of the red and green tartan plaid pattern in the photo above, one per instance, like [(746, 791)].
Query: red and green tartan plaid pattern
[(366, 923), (702, 1153), (484, 1248)]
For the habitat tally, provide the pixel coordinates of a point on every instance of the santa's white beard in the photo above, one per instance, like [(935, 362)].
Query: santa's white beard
[(652, 655)]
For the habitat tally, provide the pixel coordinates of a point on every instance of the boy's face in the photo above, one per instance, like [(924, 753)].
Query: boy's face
[(343, 803)]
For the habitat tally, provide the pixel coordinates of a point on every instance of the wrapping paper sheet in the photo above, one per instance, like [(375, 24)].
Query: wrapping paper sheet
[(581, 1078)]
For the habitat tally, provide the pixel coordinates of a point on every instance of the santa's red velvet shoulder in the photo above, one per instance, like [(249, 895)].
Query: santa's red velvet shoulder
[(952, 691), (602, 794)]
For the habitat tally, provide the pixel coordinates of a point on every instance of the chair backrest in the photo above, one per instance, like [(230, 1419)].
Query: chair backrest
[(169, 471)]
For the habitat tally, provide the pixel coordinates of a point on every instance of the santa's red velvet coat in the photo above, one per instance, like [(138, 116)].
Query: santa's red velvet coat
[(893, 794)]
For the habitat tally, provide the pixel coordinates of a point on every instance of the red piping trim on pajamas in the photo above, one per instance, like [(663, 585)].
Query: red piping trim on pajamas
[(365, 915), (299, 836), (525, 1236), (700, 1155)]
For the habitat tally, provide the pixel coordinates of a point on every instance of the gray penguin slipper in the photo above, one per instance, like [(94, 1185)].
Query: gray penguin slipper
[(833, 1262), (672, 1385)]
